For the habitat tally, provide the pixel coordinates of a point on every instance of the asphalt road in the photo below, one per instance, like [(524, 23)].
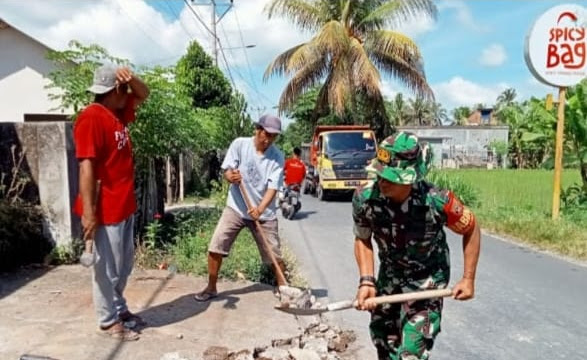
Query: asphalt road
[(528, 305)]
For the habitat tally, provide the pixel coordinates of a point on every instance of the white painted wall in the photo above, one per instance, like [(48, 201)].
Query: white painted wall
[(23, 75), (459, 140)]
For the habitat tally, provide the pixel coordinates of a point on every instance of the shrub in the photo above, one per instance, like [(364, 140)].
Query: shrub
[(21, 235)]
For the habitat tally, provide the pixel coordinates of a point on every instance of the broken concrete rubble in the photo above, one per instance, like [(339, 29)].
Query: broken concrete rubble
[(319, 341)]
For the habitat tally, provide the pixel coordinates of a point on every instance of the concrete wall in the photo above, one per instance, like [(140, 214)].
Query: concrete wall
[(461, 145), (23, 76), (50, 162)]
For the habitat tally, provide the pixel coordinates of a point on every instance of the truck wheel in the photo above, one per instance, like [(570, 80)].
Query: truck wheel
[(321, 193)]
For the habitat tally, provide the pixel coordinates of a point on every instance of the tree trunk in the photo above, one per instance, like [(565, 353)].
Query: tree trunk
[(169, 196), (181, 184), (584, 175)]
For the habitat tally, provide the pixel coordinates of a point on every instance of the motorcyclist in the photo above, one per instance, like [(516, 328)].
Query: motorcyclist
[(294, 174), (294, 169)]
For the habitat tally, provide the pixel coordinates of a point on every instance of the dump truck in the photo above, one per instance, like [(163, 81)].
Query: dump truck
[(338, 155)]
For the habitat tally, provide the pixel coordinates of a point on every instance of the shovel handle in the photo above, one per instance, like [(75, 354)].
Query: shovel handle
[(89, 245), (417, 295), (278, 273)]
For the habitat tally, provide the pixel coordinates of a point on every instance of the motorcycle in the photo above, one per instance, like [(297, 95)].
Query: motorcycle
[(289, 201)]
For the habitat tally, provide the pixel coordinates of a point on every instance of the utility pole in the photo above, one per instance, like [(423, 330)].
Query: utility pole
[(213, 22), (214, 37)]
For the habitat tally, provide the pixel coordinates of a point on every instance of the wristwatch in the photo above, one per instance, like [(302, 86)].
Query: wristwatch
[(368, 278)]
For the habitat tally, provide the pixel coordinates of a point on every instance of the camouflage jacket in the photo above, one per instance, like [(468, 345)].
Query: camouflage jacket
[(409, 236)]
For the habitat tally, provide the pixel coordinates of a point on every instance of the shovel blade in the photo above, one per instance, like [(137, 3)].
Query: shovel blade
[(341, 305), (87, 259), (301, 311)]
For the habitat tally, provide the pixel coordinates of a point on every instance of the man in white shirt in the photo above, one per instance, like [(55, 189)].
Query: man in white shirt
[(258, 164)]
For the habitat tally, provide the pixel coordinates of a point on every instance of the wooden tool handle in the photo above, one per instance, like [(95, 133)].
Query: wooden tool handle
[(278, 273), (417, 295), (89, 246)]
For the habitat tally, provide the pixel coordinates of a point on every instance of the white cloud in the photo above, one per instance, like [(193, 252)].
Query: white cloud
[(461, 92), (534, 88), (493, 55), (136, 31), (463, 14), (389, 89), (416, 27)]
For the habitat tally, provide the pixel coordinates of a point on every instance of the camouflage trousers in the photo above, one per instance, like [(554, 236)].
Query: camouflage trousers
[(407, 331)]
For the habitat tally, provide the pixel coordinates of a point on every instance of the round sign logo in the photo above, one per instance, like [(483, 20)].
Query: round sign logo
[(556, 51)]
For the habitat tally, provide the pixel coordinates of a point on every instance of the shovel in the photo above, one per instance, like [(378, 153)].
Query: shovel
[(88, 257), (293, 294), (387, 299)]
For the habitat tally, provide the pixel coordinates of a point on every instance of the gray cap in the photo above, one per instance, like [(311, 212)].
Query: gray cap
[(271, 124), (104, 79)]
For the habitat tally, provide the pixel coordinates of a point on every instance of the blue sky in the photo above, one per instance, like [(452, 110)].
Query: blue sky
[(472, 52)]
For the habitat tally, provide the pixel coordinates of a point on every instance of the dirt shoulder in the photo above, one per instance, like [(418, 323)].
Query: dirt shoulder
[(49, 312)]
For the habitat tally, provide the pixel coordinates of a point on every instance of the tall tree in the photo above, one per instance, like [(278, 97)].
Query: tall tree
[(419, 112), (460, 115), (397, 110), (576, 129), (74, 71), (205, 84), (438, 113), (350, 47), (506, 98)]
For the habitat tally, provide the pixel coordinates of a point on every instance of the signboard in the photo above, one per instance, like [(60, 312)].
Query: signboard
[(556, 46)]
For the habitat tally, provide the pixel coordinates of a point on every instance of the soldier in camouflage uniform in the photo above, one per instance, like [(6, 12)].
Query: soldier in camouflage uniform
[(405, 216)]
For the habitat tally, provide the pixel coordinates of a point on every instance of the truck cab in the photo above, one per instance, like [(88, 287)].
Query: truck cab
[(338, 155)]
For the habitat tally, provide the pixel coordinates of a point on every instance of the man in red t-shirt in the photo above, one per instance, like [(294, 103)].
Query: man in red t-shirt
[(294, 169), (106, 201)]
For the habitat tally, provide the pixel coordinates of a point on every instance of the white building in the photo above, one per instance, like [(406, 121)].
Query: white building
[(23, 77), (462, 146)]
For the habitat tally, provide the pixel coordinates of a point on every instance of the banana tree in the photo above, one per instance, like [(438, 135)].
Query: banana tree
[(576, 127), (531, 133)]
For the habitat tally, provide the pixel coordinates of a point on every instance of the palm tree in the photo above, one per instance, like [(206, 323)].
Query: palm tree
[(460, 115), (506, 98), (419, 112), (439, 114), (349, 49), (398, 110)]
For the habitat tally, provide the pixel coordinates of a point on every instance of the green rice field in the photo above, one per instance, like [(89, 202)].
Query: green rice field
[(521, 189), (517, 204)]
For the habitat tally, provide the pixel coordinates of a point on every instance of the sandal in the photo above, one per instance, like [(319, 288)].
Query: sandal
[(205, 295), (117, 331), (131, 320)]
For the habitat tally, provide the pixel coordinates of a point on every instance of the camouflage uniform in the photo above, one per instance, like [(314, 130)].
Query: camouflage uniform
[(412, 247)]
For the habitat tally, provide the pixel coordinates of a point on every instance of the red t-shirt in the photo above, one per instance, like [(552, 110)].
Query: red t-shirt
[(294, 170), (102, 136)]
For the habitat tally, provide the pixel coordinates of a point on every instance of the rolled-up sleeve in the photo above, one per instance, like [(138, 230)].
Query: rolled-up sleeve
[(361, 224), (276, 176)]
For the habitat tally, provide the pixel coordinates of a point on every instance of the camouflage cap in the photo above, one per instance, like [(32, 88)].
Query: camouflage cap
[(401, 159)]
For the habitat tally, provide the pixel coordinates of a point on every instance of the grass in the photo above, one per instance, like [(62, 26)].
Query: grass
[(182, 243), (518, 203), (524, 189)]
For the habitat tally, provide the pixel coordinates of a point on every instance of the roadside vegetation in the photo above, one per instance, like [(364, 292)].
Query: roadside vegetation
[(517, 203), (179, 241)]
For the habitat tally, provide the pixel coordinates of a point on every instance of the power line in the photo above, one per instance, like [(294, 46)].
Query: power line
[(198, 17), (250, 84), (178, 15), (245, 51), (227, 65), (140, 27)]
